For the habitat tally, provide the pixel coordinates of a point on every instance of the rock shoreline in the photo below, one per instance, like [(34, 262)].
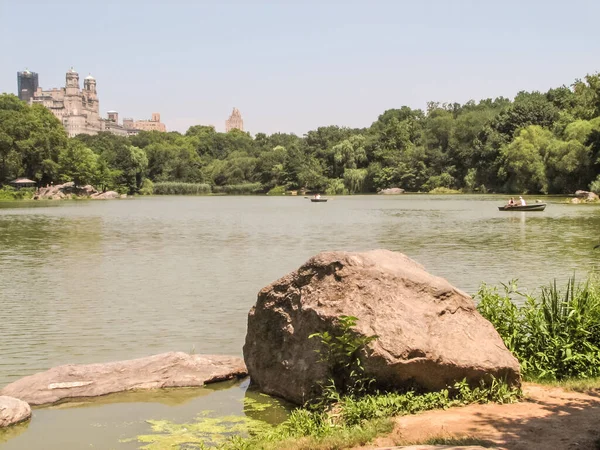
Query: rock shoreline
[(69, 190), (72, 381)]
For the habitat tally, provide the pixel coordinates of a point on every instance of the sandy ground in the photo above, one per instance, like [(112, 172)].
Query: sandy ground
[(547, 419)]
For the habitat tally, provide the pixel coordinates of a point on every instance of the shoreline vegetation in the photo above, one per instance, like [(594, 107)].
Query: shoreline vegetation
[(537, 143), (555, 335)]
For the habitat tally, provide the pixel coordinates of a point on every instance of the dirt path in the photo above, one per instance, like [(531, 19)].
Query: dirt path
[(548, 419)]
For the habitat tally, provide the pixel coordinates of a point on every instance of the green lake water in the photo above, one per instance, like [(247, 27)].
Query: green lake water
[(94, 281)]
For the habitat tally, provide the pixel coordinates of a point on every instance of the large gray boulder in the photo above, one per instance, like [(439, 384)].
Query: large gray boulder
[(429, 332), (167, 370), (13, 411)]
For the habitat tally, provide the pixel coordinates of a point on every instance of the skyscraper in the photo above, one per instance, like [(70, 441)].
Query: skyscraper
[(235, 121), (27, 84)]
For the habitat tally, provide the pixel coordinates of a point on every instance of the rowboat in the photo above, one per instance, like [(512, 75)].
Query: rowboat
[(318, 200), (532, 207)]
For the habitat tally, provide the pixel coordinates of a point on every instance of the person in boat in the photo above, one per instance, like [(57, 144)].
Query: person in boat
[(511, 202), (317, 196), (522, 201)]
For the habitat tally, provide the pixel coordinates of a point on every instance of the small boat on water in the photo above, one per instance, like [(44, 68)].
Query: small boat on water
[(532, 207), (318, 200)]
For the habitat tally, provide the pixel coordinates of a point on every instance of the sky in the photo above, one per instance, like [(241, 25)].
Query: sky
[(292, 66)]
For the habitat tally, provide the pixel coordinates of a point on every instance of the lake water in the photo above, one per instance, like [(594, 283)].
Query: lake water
[(93, 281)]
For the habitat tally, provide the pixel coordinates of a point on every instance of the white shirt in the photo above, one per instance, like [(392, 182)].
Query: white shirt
[(523, 202)]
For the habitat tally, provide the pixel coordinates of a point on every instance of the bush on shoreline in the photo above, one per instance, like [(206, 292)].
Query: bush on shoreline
[(555, 335), (239, 189), (10, 193), (177, 188)]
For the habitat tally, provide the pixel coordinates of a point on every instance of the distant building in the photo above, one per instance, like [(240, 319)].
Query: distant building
[(153, 124), (235, 121), (78, 110), (113, 116), (27, 85)]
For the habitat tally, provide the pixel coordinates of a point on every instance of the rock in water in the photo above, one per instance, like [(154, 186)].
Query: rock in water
[(13, 411), (174, 369), (429, 332)]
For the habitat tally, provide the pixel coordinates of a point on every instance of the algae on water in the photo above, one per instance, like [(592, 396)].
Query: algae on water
[(207, 431)]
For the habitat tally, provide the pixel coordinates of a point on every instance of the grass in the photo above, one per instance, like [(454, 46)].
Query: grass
[(177, 188), (10, 193), (239, 189), (351, 422), (584, 385), (555, 335)]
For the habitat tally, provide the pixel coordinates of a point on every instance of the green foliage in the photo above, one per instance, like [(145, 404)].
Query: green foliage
[(355, 410), (10, 193), (341, 353), (538, 142), (554, 336), (175, 188), (78, 163), (595, 185), (336, 187), (355, 421), (277, 190), (147, 187), (239, 189)]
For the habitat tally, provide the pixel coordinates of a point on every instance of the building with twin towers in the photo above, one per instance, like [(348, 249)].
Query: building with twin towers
[(79, 109)]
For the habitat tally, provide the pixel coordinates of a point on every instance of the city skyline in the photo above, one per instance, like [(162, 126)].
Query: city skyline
[(294, 67)]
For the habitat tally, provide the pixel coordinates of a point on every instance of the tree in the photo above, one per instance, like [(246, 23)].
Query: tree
[(524, 160), (30, 140), (78, 163)]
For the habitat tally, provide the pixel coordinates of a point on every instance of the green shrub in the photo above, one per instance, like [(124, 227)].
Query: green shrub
[(356, 420), (239, 189), (341, 353), (177, 188), (277, 190), (595, 185), (336, 186), (10, 193), (147, 187), (554, 336)]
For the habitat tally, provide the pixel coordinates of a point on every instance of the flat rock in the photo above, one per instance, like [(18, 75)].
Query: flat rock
[(167, 370), (13, 411), (429, 333), (391, 191), (108, 195)]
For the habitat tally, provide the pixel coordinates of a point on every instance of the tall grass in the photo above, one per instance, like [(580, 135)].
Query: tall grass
[(10, 193), (239, 189), (555, 335), (177, 188)]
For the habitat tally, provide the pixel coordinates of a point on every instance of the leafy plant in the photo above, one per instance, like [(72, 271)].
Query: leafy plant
[(177, 188), (554, 336), (341, 353)]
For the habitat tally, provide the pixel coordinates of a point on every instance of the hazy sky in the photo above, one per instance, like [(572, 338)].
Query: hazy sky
[(292, 66)]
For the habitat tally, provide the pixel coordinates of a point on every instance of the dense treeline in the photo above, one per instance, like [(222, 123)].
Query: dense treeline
[(537, 143)]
